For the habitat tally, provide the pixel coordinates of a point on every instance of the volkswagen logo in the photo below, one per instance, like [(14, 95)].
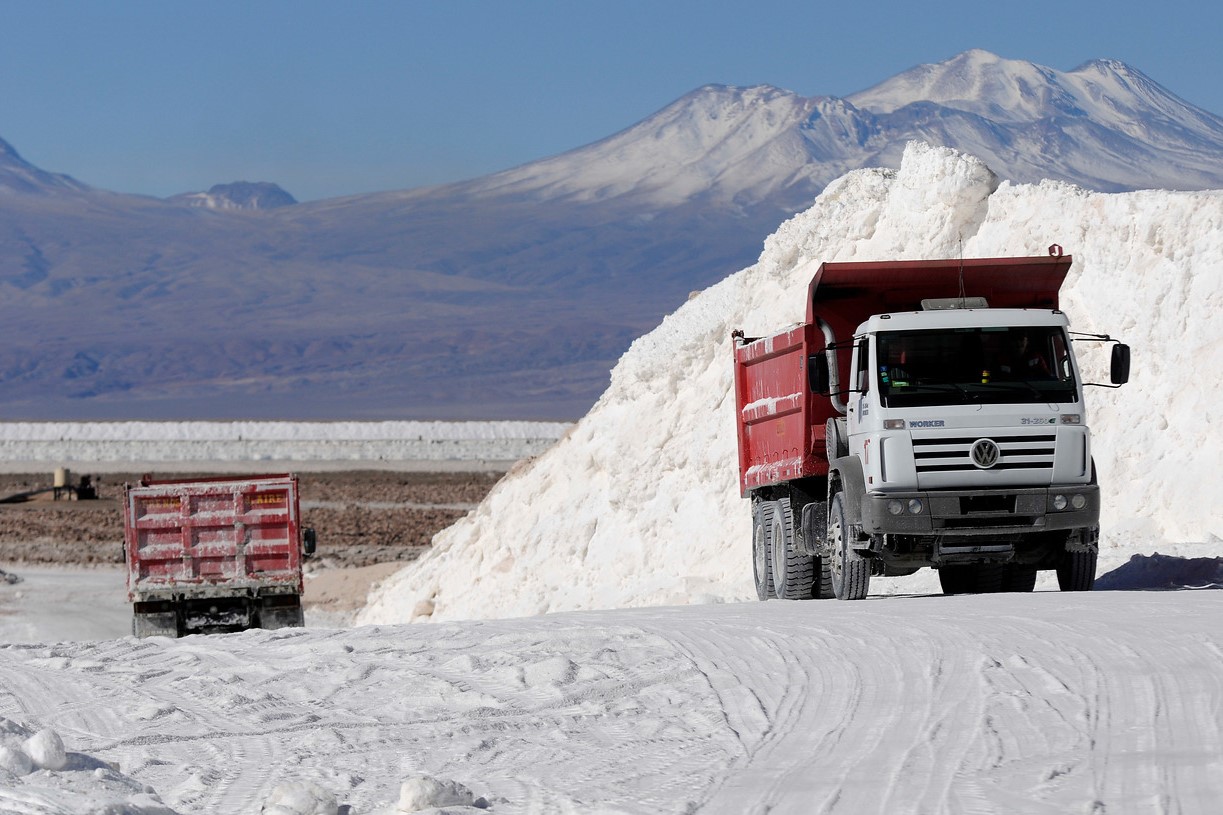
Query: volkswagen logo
[(985, 453)]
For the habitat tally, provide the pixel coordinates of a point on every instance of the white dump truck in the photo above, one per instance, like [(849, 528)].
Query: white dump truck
[(926, 414)]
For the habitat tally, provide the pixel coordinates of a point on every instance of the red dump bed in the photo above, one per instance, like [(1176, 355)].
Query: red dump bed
[(201, 537), (780, 421)]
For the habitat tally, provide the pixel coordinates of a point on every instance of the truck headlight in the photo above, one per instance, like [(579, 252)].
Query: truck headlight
[(895, 507), (1078, 500), (915, 506), (1059, 502)]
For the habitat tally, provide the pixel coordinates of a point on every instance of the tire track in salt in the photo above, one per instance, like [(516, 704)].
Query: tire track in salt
[(1035, 703), (772, 685), (1001, 703)]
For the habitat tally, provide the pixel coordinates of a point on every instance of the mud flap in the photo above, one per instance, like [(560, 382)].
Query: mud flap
[(159, 621), (281, 611), (813, 528)]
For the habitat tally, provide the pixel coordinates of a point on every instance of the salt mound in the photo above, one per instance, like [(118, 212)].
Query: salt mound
[(46, 750), (424, 792), (299, 798), (638, 504), (37, 775)]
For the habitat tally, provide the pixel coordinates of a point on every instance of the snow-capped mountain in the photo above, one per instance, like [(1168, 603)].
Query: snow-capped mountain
[(511, 295), (718, 143), (1104, 125), (1109, 92)]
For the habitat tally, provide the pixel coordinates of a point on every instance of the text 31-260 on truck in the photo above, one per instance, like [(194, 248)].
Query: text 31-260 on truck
[(926, 413)]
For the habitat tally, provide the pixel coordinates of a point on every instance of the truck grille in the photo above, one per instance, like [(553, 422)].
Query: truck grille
[(954, 454)]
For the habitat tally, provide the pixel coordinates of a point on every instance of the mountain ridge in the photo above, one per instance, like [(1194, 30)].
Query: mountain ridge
[(20, 176), (509, 295), (244, 195)]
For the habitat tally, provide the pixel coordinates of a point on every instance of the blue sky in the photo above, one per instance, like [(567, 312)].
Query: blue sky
[(330, 99)]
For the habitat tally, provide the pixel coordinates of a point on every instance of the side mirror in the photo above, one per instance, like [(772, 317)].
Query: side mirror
[(1120, 373), (817, 374), (309, 541)]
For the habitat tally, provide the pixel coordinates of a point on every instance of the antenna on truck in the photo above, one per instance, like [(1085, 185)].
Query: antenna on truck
[(961, 241)]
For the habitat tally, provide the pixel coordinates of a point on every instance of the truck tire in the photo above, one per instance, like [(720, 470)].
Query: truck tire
[(793, 571), (851, 573), (956, 579), (1018, 577), (1076, 571), (822, 588), (813, 526), (762, 561), (835, 443)]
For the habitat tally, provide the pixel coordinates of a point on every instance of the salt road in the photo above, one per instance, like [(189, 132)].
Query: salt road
[(1109, 701), (51, 604)]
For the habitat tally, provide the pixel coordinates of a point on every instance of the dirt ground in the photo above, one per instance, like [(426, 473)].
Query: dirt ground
[(369, 523)]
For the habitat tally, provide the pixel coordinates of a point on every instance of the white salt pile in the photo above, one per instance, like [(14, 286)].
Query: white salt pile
[(639, 504)]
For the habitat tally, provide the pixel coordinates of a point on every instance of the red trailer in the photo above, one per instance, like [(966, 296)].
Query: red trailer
[(859, 431), (217, 554)]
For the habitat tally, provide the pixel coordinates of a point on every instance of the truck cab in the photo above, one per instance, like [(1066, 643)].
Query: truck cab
[(970, 423)]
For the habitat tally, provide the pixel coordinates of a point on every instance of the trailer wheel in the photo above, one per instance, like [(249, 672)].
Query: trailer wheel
[(1076, 571), (792, 570), (851, 573), (762, 562)]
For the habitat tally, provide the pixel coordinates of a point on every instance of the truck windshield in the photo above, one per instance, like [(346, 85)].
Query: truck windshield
[(996, 365)]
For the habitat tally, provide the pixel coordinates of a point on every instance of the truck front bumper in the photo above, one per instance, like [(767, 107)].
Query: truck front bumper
[(981, 512)]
